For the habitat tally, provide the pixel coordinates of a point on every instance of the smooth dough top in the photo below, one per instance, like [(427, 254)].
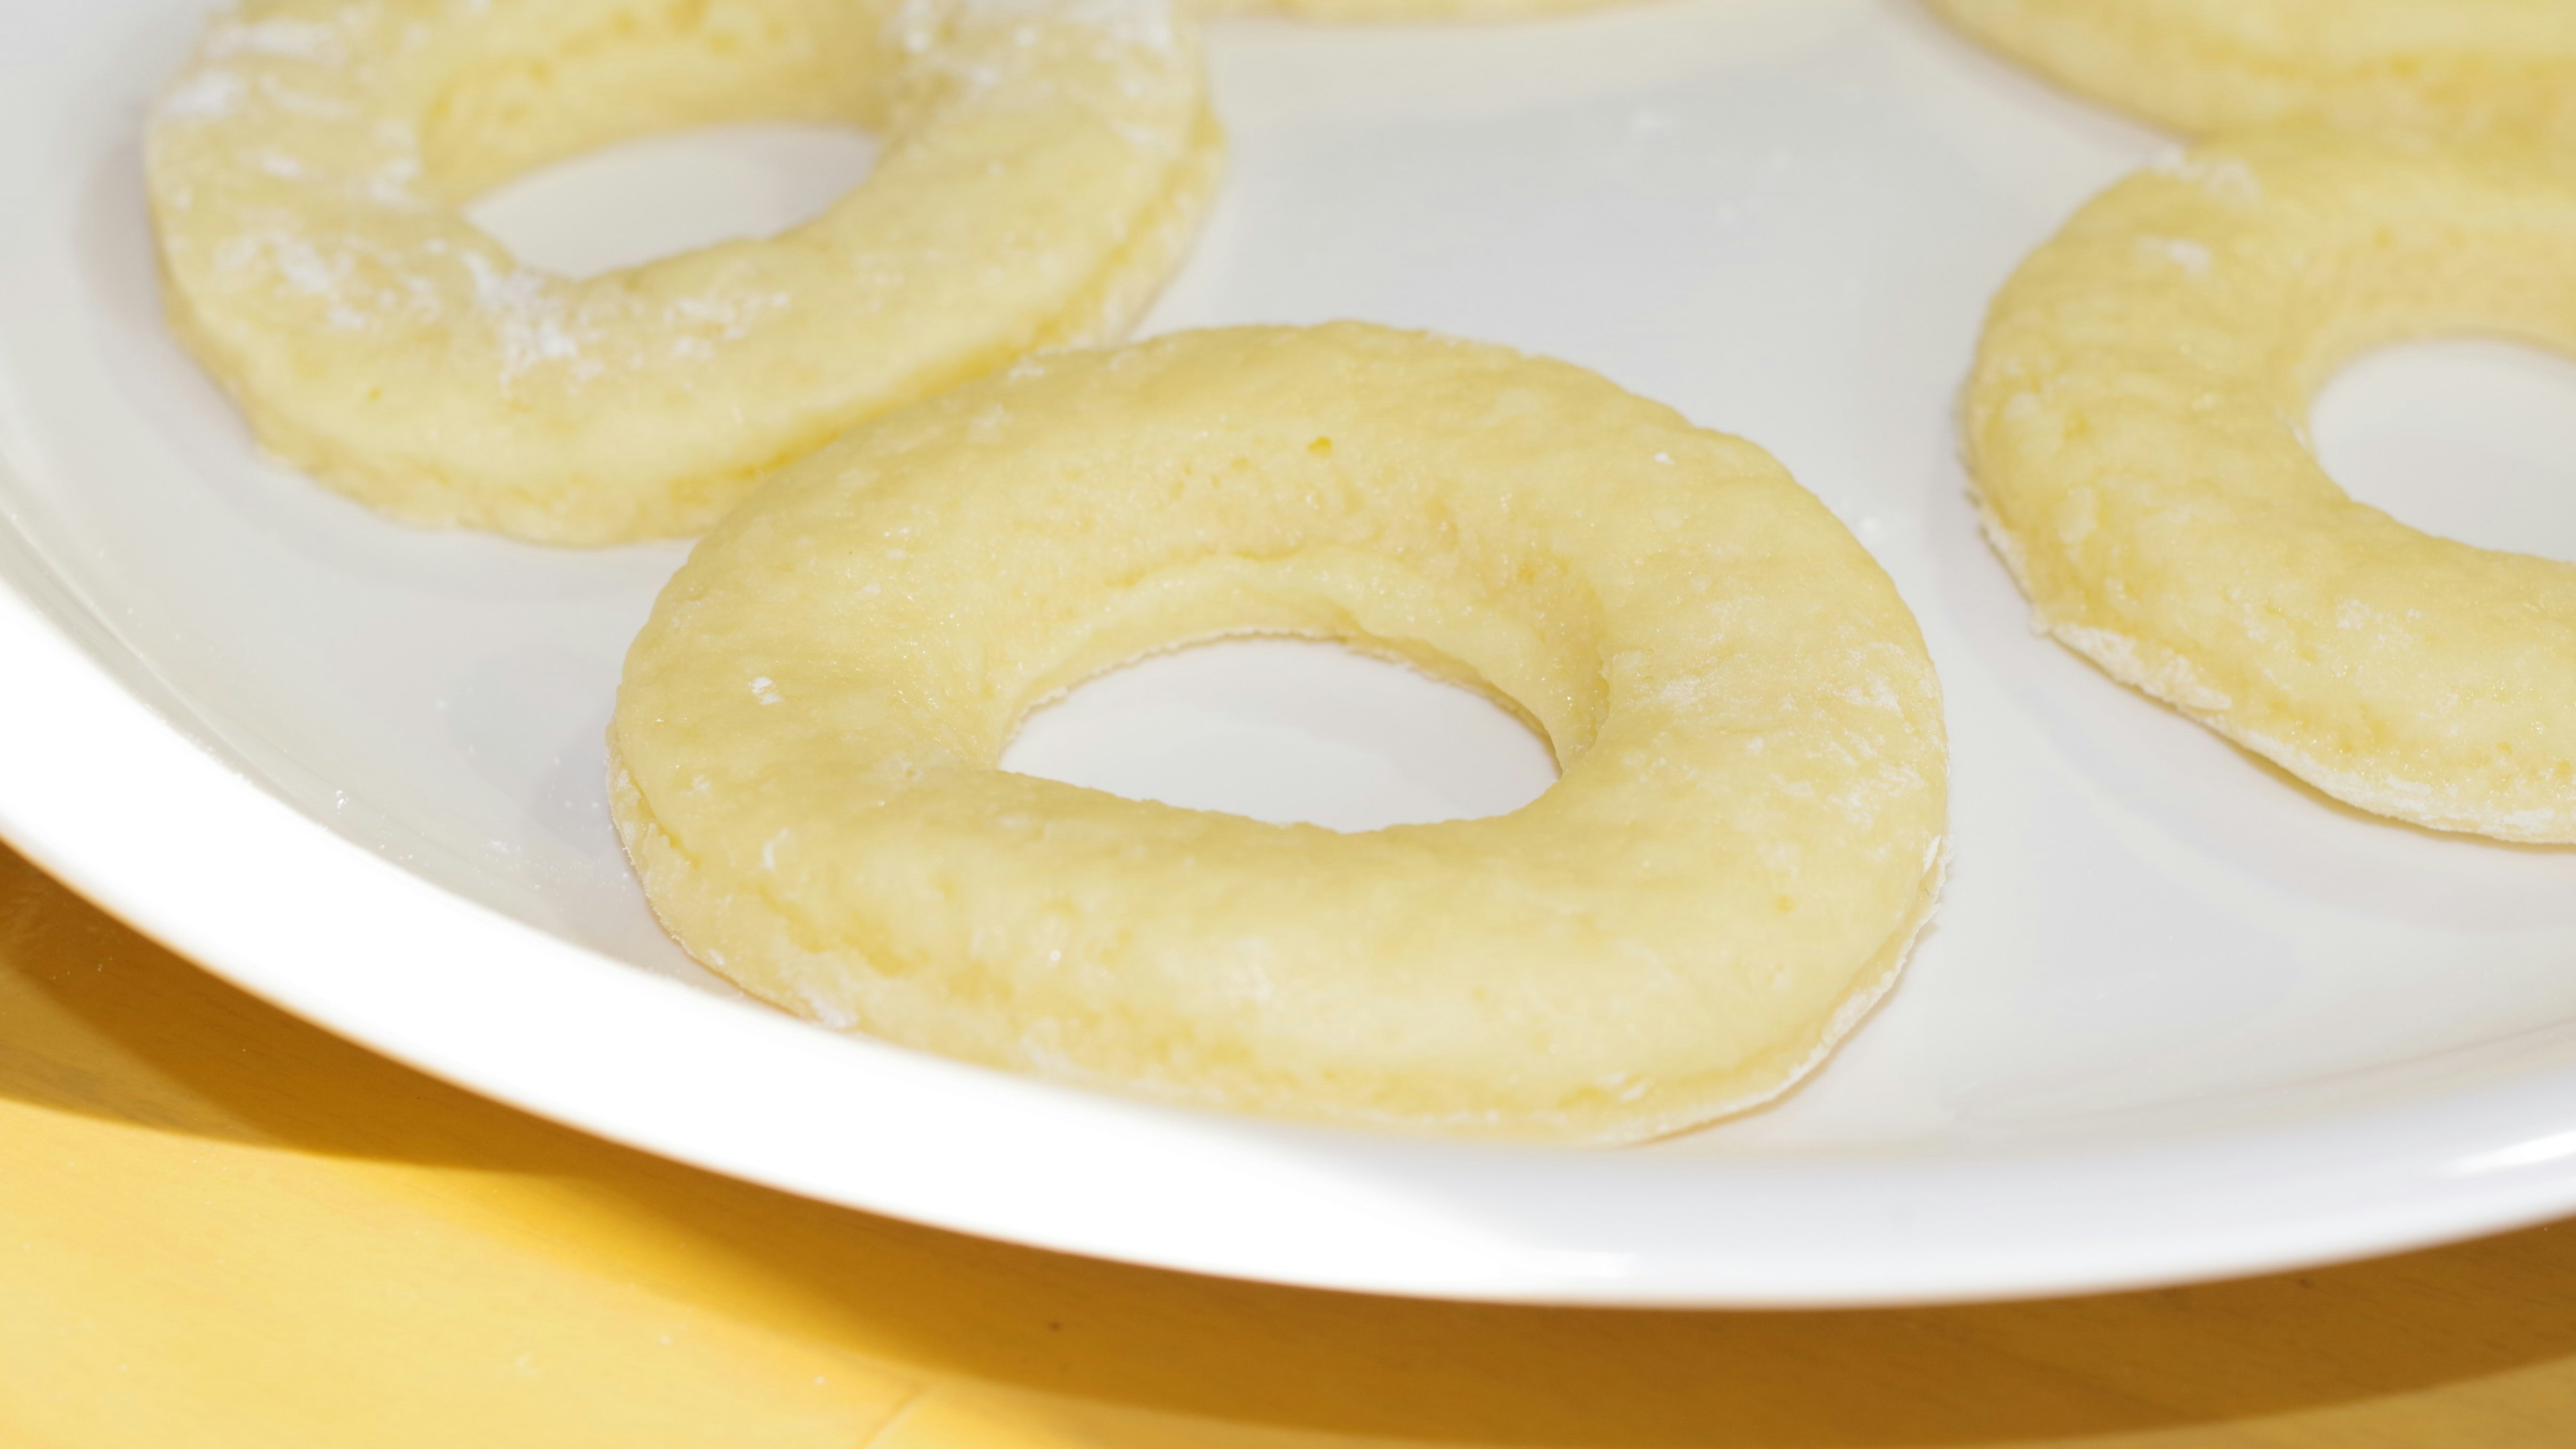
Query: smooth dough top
[(2205, 66), (1043, 165), (1744, 840), (2136, 426)]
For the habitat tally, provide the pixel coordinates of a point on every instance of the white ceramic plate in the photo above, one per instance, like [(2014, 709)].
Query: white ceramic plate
[(2178, 1018)]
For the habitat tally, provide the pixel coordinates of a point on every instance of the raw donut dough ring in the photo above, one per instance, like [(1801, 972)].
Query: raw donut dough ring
[(1744, 842), (2136, 430), (2201, 66), (1042, 168)]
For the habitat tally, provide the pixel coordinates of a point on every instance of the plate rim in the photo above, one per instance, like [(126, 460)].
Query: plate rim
[(137, 809)]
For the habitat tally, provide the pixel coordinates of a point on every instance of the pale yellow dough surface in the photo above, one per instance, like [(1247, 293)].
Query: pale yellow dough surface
[(1406, 12), (1745, 839), (2136, 429), (2199, 66), (1043, 166)]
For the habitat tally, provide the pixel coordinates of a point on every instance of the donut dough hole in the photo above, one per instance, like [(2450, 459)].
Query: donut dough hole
[(1041, 171), (2201, 66), (2136, 431), (1746, 836)]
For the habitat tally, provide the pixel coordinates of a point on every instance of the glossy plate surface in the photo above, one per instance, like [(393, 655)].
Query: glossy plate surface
[(2178, 1017)]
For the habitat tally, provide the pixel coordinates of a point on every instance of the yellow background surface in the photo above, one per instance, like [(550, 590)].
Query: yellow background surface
[(219, 1227)]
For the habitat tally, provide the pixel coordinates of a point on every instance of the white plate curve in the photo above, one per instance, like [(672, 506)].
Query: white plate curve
[(2179, 1018)]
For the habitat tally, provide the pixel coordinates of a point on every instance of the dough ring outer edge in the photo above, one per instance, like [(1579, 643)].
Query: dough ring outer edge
[(2211, 66), (1747, 836), (1042, 169), (2135, 429)]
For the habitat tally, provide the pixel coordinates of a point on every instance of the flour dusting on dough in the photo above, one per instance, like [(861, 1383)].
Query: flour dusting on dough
[(532, 318), (304, 40), (2229, 178), (207, 95), (304, 238), (2160, 672), (2191, 256)]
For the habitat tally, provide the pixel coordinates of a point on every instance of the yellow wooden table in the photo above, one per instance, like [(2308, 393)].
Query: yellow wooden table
[(219, 1226)]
